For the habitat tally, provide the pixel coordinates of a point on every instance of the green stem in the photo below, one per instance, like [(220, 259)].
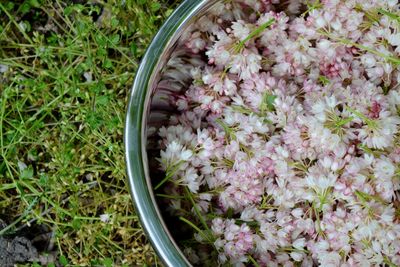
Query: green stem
[(226, 129), (388, 261), (22, 31), (171, 170), (344, 121), (367, 120), (317, 214), (389, 14), (11, 225), (253, 261), (196, 209), (324, 80), (364, 197), (170, 196), (255, 33), (196, 228), (389, 58)]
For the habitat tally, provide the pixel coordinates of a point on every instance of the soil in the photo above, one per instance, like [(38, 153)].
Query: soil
[(16, 250), (30, 244)]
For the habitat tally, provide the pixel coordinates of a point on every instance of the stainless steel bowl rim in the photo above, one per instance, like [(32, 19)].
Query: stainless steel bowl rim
[(135, 130)]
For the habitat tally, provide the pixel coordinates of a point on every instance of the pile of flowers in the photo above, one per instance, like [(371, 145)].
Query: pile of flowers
[(286, 147)]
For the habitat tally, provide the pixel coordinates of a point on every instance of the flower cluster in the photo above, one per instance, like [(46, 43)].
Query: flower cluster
[(286, 147)]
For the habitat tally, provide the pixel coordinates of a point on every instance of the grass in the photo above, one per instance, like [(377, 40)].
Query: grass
[(66, 70)]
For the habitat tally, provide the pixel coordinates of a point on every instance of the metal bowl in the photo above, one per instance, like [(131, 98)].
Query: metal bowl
[(137, 119)]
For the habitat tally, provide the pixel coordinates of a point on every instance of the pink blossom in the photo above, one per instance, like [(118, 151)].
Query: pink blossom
[(287, 136)]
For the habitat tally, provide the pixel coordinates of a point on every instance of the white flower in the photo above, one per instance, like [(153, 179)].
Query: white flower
[(296, 256), (320, 22), (249, 213), (297, 213), (192, 179), (388, 215), (375, 72), (23, 25), (281, 69), (255, 124), (219, 52), (174, 154), (105, 218), (186, 154), (368, 60), (394, 98), (240, 30), (22, 166), (321, 107), (394, 39), (88, 76), (245, 66), (229, 87), (366, 230), (299, 243), (319, 110), (182, 104), (336, 24), (208, 78), (3, 68), (382, 133), (282, 257), (321, 181), (384, 169), (329, 259)]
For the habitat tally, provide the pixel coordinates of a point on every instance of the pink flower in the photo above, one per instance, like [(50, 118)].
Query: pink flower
[(236, 240), (288, 142)]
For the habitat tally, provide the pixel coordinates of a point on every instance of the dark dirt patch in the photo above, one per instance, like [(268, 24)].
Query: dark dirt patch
[(16, 250), (30, 244)]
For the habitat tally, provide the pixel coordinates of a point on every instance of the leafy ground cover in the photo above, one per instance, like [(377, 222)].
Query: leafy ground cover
[(66, 68)]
